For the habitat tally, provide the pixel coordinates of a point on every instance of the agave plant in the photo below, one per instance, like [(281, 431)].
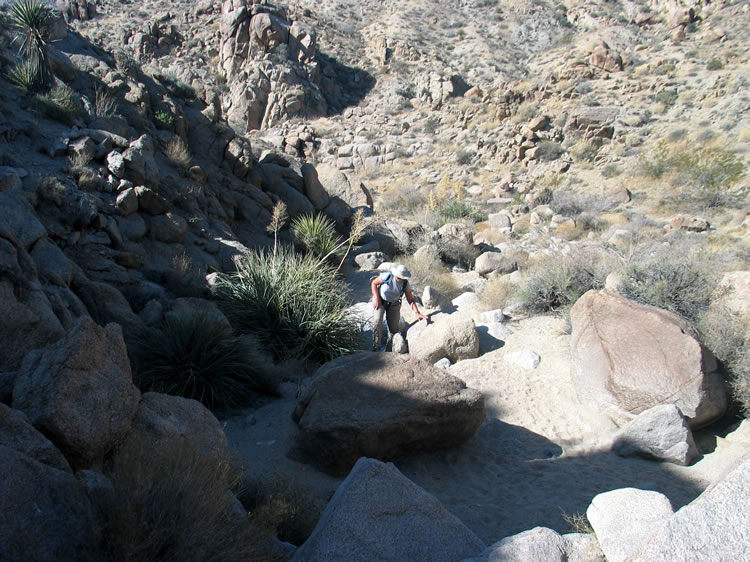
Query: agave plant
[(31, 20), (317, 235)]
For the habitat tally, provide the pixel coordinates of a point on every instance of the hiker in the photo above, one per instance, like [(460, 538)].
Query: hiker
[(387, 290)]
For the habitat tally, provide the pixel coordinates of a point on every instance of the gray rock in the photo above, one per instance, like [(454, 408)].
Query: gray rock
[(490, 262), (381, 405), (539, 544), (491, 316), (659, 433), (140, 166), (18, 220), (712, 527), (276, 180), (151, 202), (643, 511), (116, 164), (613, 338), (443, 363), (7, 380), (52, 265), (162, 418), (466, 301), (371, 260), (9, 179), (524, 358), (17, 433), (314, 190), (169, 227), (79, 391), (379, 514), (431, 297), (583, 547), (453, 336), (398, 344), (132, 227), (44, 512)]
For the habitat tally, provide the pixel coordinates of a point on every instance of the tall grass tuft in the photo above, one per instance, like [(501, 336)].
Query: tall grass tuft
[(195, 355), (294, 304), (171, 502)]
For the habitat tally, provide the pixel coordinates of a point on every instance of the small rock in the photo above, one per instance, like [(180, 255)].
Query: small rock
[(526, 359)]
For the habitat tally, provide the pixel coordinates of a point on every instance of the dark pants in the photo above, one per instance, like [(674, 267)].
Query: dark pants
[(392, 313)]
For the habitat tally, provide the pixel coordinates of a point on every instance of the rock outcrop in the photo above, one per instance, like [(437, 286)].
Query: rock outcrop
[(381, 405), (453, 336), (79, 391)]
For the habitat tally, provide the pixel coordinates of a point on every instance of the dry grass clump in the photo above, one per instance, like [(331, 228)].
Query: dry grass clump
[(170, 501), (578, 523), (178, 153), (495, 293), (280, 507)]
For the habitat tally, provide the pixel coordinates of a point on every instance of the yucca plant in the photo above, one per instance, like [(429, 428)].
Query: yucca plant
[(196, 355), (317, 235), (295, 305), (31, 20)]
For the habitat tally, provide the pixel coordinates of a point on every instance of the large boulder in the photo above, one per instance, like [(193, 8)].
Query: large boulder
[(659, 433), (629, 357), (282, 182), (79, 391), (489, 262), (735, 289), (453, 336), (712, 527), (381, 405), (16, 432), (43, 512), (162, 418), (643, 511), (379, 514), (336, 184)]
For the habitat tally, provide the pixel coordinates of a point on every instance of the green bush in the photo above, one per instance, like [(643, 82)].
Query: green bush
[(556, 282), (295, 305), (715, 64), (196, 355), (164, 120), (709, 169), (170, 502), (457, 209), (675, 283), (317, 235), (464, 157)]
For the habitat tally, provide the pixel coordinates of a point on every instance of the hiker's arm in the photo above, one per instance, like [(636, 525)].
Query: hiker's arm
[(413, 303), (375, 288)]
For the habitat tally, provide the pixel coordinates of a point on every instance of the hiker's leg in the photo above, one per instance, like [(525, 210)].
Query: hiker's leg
[(393, 317), (377, 327)]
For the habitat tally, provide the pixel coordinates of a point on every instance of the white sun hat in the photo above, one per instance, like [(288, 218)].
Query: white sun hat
[(401, 272)]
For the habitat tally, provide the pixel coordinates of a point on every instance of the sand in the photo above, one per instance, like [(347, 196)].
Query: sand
[(539, 456)]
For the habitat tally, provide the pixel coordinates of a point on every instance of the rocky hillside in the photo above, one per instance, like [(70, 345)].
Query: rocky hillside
[(516, 154)]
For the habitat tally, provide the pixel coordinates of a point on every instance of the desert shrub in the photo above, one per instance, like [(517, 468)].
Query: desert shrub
[(714, 64), (31, 20), (677, 283), (427, 268), (526, 110), (464, 157), (611, 171), (164, 120), (547, 151), (185, 278), (170, 502), (578, 523), (59, 104), (431, 125), (667, 96), (178, 153), (195, 354), (571, 203), (402, 199), (584, 151), (725, 333), (555, 283), (294, 304), (705, 173), (457, 209), (317, 235), (584, 88), (280, 507), (177, 87)]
